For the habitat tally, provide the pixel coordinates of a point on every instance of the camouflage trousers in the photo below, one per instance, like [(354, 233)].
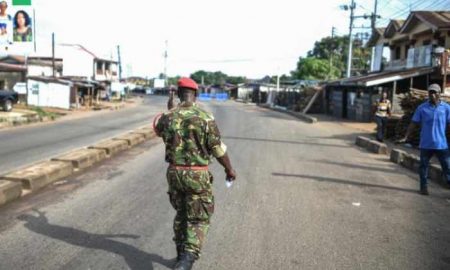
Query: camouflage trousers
[(190, 193)]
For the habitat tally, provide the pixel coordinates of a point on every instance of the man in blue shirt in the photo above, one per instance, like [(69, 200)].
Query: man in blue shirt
[(433, 116)]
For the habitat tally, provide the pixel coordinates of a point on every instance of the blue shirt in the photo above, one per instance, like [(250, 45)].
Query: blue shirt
[(433, 121)]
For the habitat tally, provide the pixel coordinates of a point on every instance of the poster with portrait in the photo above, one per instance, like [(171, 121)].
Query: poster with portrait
[(6, 23), (16, 26)]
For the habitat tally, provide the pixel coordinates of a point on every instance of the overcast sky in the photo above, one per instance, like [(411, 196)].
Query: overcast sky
[(238, 37)]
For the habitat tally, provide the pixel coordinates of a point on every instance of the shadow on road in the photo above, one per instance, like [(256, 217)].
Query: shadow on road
[(342, 181), (357, 166), (135, 258), (283, 141)]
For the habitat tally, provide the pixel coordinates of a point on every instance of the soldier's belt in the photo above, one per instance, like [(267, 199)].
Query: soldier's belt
[(186, 167)]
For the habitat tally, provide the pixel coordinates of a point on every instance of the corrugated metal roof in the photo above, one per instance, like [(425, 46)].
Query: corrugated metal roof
[(12, 67), (435, 19), (377, 33), (393, 27), (383, 77)]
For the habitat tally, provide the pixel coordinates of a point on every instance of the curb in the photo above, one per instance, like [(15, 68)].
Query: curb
[(402, 158), (372, 145), (111, 146), (35, 177), (82, 158), (9, 191), (40, 175)]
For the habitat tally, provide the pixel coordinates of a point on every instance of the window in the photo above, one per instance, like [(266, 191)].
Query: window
[(406, 51), (426, 42), (99, 68), (2, 85), (397, 53)]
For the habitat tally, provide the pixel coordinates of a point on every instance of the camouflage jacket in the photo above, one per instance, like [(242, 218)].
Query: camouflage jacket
[(191, 136)]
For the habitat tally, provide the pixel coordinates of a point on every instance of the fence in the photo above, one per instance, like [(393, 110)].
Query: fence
[(209, 97)]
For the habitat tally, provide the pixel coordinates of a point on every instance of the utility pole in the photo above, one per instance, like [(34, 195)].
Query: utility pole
[(165, 64), (374, 16), (350, 40), (333, 31), (119, 58), (34, 29), (53, 56)]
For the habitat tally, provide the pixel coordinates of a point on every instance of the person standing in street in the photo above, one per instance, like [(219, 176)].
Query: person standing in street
[(191, 137), (433, 116), (383, 111)]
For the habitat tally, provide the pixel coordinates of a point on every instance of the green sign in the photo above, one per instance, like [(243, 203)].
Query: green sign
[(21, 2)]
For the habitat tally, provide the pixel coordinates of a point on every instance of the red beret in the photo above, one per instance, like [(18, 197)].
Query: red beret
[(187, 83)]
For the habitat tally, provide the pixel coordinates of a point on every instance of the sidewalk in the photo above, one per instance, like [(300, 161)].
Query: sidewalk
[(407, 157)]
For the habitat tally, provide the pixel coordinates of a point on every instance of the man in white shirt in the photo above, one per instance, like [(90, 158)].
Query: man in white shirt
[(5, 24)]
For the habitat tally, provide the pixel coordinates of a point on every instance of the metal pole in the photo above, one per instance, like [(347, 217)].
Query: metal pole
[(26, 79), (53, 55), (350, 41), (374, 16), (119, 58), (331, 53), (444, 81), (165, 64), (34, 29)]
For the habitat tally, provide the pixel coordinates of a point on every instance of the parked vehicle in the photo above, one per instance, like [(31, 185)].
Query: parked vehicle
[(8, 99)]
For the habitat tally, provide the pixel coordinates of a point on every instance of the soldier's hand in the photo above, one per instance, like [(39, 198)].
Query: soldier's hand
[(231, 174)]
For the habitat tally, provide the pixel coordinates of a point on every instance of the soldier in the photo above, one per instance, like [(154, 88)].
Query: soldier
[(191, 137)]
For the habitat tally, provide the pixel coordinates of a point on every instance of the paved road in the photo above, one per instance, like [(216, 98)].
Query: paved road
[(19, 147), (306, 198)]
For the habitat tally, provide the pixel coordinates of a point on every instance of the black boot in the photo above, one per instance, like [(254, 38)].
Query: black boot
[(180, 250), (424, 191), (186, 261)]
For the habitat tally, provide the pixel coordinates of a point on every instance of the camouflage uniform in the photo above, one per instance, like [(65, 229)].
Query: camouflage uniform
[(191, 137)]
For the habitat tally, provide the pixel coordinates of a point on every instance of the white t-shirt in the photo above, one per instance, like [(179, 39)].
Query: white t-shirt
[(6, 30)]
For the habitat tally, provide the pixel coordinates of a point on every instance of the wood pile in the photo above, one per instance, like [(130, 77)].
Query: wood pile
[(409, 103), (305, 97)]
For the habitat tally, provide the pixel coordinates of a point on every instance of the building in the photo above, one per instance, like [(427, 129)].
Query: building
[(418, 55), (82, 65), (15, 68)]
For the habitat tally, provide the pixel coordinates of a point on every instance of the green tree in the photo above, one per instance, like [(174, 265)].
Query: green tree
[(217, 78), (336, 50), (236, 80), (311, 68)]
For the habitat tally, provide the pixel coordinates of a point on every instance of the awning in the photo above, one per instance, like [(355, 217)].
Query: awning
[(384, 77)]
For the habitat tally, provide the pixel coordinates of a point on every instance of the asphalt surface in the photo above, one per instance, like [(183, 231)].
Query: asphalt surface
[(305, 198), (25, 145)]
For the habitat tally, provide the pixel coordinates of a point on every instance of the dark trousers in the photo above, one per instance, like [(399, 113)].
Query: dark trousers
[(381, 127), (425, 156)]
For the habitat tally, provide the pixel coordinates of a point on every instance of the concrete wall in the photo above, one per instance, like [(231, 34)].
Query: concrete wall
[(48, 94), (76, 62), (39, 71), (245, 92)]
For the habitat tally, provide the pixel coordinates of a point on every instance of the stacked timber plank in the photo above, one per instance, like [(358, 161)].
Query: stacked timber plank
[(409, 103)]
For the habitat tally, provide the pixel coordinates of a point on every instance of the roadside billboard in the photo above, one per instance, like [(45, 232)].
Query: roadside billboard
[(16, 26)]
